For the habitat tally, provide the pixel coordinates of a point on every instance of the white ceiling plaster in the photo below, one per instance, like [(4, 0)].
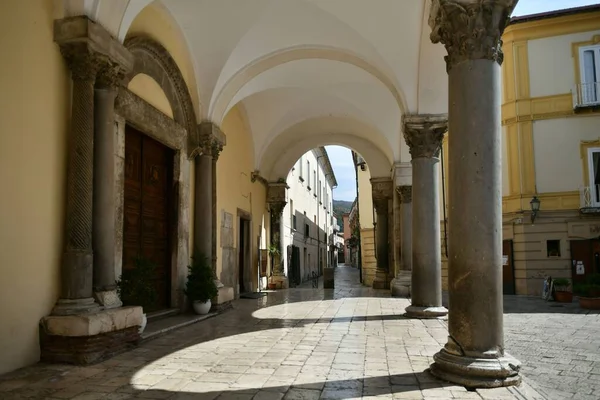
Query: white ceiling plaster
[(326, 61)]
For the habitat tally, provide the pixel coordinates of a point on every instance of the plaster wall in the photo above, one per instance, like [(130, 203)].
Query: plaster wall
[(551, 63), (236, 191), (558, 164), (365, 199), (148, 89), (318, 211), (34, 110)]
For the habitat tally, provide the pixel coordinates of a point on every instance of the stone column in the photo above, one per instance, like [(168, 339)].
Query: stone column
[(277, 199), (424, 135), (106, 183), (210, 142), (471, 32), (382, 194), (402, 282)]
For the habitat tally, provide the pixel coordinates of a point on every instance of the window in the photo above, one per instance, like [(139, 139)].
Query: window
[(292, 215), (319, 193), (553, 248), (315, 177), (589, 63), (294, 223), (306, 230), (308, 173), (301, 170), (594, 177)]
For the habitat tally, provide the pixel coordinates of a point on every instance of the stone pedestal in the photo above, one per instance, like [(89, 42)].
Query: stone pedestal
[(89, 338), (474, 355), (402, 283), (382, 194), (424, 135), (277, 199)]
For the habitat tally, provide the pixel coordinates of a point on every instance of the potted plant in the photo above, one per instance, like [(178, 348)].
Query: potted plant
[(589, 292), (562, 294), (200, 287), (136, 286)]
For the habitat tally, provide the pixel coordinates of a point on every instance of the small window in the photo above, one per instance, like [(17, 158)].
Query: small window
[(594, 177), (294, 224), (306, 230), (553, 248), (301, 170), (308, 173)]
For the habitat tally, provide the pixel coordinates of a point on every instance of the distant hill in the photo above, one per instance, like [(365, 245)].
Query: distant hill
[(341, 207)]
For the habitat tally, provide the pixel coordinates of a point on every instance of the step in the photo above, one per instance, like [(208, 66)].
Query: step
[(162, 326), (161, 314)]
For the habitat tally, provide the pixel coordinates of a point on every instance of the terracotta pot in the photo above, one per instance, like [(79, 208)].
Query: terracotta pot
[(563, 297), (272, 286), (589, 303)]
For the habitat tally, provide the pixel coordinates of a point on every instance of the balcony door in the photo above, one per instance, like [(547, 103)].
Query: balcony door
[(589, 57)]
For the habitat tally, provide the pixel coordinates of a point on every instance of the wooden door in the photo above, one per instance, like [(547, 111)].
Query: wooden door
[(148, 176), (508, 269), (582, 254)]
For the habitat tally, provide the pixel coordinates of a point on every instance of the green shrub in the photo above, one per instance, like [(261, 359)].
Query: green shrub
[(561, 284), (136, 285), (200, 285)]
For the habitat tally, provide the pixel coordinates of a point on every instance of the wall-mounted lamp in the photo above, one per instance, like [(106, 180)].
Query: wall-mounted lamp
[(535, 207), (360, 162)]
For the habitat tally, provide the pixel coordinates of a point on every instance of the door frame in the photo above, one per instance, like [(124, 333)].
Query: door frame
[(134, 111), (249, 272)]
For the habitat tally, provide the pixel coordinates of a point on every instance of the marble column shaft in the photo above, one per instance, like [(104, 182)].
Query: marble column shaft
[(382, 194), (105, 187), (424, 135), (474, 355), (402, 284), (203, 196)]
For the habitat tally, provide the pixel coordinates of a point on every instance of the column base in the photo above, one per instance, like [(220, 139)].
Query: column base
[(108, 299), (476, 372), (328, 278), (76, 306), (400, 285), (89, 338), (425, 312), (279, 282), (381, 280)]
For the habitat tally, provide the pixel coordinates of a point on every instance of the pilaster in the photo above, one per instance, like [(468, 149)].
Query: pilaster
[(277, 200)]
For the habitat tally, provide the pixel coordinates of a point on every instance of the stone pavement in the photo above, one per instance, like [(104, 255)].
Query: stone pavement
[(298, 344)]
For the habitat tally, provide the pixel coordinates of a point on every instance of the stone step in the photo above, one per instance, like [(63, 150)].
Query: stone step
[(161, 314), (158, 328)]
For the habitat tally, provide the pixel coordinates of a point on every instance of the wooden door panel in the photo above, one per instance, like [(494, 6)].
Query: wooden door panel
[(508, 270), (581, 251), (148, 166)]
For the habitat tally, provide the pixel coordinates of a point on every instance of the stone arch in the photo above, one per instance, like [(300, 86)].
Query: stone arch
[(152, 59)]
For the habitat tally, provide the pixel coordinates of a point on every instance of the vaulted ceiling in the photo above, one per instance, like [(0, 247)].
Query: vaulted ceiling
[(306, 72)]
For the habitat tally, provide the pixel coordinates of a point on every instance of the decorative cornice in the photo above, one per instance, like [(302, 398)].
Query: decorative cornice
[(424, 134), (405, 193), (470, 30), (89, 48)]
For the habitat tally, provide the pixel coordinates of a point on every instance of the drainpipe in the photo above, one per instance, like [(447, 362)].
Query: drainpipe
[(444, 202)]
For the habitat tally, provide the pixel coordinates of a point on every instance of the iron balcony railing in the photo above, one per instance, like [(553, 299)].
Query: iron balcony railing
[(589, 197), (586, 95)]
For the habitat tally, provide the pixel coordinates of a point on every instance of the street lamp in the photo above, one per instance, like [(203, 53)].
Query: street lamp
[(535, 207)]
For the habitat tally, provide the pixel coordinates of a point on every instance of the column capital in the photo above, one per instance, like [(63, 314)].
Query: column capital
[(277, 196), (405, 193), (382, 189), (208, 139), (470, 30), (424, 134), (90, 50)]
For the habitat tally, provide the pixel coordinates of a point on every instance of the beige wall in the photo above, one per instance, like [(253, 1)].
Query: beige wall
[(148, 89), (34, 109), (234, 187), (369, 262), (365, 199), (551, 65), (558, 164)]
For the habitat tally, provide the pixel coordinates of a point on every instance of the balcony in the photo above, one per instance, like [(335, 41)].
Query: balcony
[(589, 199), (586, 95)]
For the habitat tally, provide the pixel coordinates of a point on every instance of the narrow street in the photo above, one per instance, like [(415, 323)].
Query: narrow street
[(302, 343)]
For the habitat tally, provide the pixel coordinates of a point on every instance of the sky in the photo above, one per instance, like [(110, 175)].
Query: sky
[(341, 158)]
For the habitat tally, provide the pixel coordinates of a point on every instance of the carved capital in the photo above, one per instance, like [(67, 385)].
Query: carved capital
[(405, 193), (256, 176), (470, 30), (424, 134), (110, 75), (277, 197), (208, 139), (382, 189), (89, 48)]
